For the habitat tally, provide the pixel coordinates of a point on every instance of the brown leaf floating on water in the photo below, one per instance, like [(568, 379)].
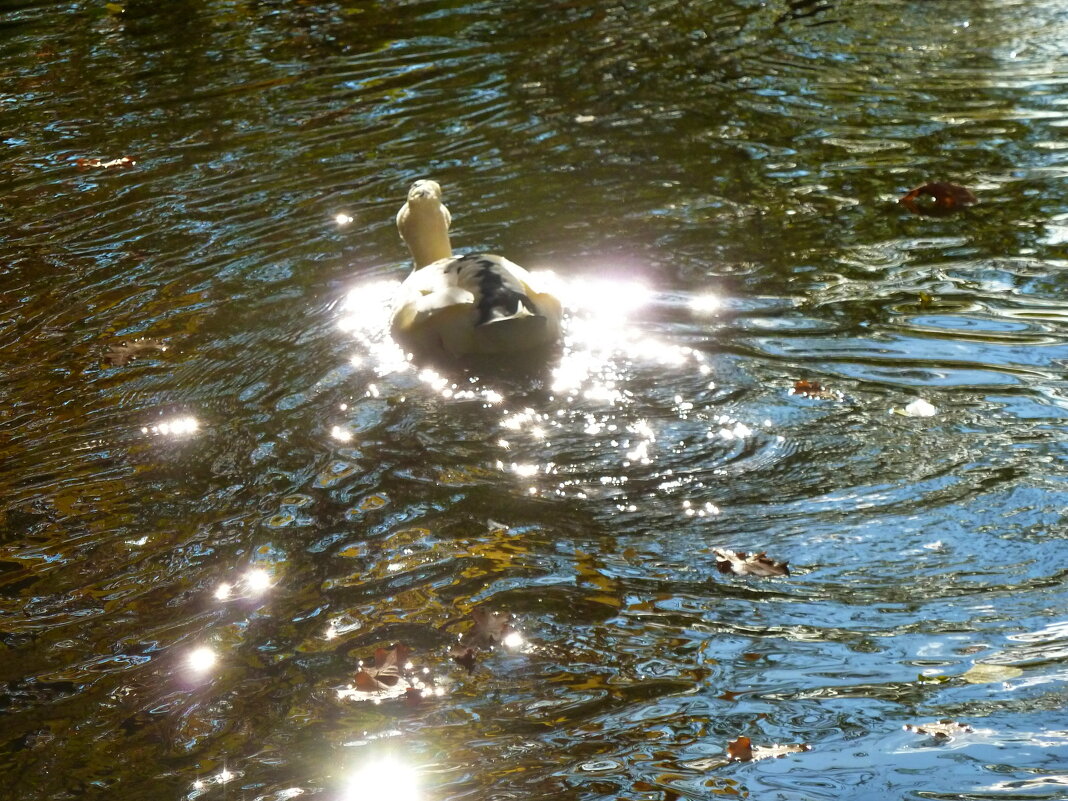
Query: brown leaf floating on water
[(946, 198), (125, 162), (741, 564), (489, 630), (743, 750), (740, 750), (940, 730), (126, 352), (816, 390), (465, 658), (386, 670)]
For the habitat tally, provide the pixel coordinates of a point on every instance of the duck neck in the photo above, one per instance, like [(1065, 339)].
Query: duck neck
[(426, 231)]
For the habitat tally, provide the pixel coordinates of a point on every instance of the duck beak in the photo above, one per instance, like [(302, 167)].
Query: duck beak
[(424, 190)]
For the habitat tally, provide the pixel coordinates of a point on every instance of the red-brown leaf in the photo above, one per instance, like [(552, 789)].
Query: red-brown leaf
[(385, 672), (465, 657), (816, 390), (740, 750), (743, 750), (367, 683), (946, 198)]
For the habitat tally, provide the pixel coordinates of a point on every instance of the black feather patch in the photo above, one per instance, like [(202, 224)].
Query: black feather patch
[(496, 297)]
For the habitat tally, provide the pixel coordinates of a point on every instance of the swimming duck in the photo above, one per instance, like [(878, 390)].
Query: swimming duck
[(456, 307)]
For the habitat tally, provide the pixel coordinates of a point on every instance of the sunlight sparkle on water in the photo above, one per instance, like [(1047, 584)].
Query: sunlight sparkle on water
[(386, 777), (603, 298), (176, 427), (223, 591), (342, 218), (602, 343), (340, 434), (706, 304), (519, 420), (365, 314), (201, 660), (513, 640), (257, 580)]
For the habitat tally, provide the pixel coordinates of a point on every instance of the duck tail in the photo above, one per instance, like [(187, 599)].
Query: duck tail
[(504, 333)]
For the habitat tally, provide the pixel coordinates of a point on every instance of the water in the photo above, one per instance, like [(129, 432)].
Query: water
[(200, 545)]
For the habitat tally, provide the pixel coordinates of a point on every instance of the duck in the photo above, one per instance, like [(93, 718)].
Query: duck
[(457, 308)]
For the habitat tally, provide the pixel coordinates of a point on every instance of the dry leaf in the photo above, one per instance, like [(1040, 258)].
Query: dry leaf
[(816, 390), (743, 750), (740, 564), (940, 730), (126, 352), (98, 164), (465, 657), (386, 671), (490, 628), (946, 198), (983, 673), (740, 750)]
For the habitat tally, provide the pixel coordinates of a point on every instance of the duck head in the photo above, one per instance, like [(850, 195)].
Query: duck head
[(423, 222)]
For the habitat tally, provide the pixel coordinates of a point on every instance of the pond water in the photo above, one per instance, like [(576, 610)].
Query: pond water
[(205, 531)]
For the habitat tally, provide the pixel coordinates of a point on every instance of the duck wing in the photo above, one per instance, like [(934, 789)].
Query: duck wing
[(496, 285), (478, 303)]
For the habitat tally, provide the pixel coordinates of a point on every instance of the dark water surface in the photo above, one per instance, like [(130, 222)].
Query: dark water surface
[(714, 185)]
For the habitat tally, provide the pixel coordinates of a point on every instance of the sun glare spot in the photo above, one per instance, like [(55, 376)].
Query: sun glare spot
[(175, 427), (222, 592), (706, 304), (513, 640), (604, 298), (341, 434), (343, 219), (365, 314), (202, 659), (258, 580), (386, 777)]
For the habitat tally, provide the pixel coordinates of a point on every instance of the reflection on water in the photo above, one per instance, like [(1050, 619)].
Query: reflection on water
[(175, 427), (383, 777), (229, 498), (201, 660)]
